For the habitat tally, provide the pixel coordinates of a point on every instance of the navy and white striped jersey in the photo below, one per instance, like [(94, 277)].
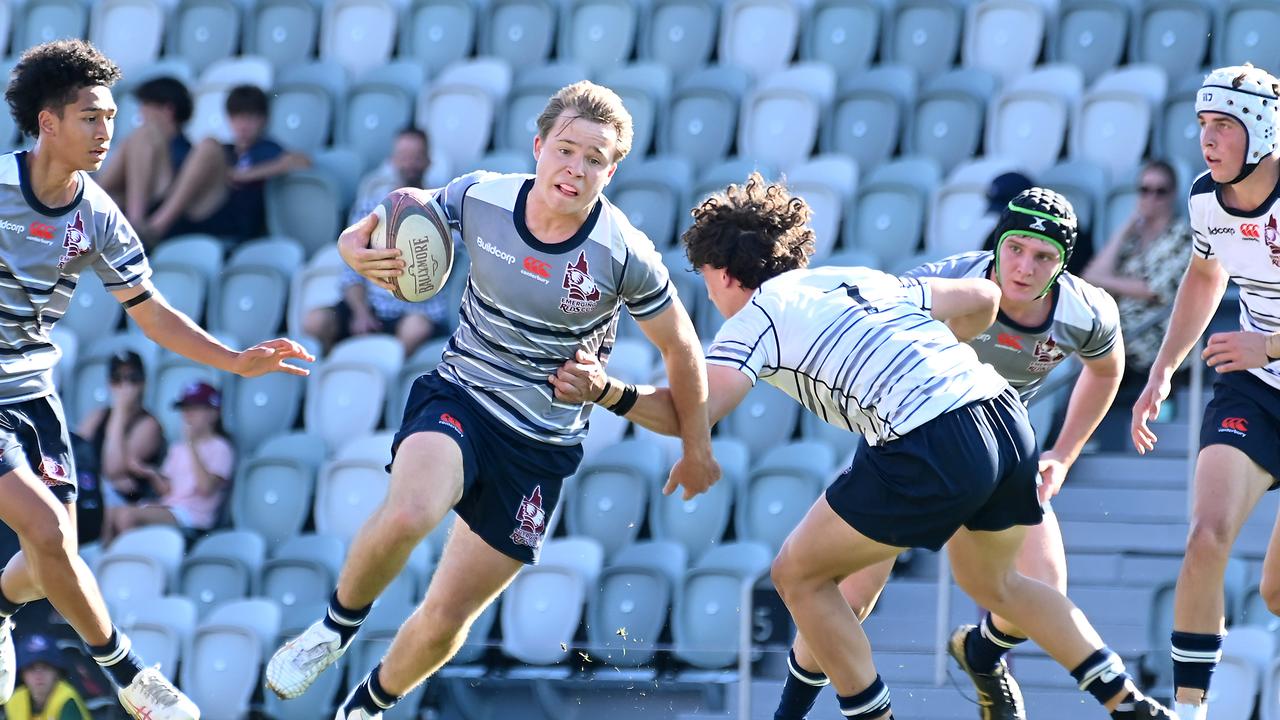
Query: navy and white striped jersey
[(1084, 321), (529, 306), (1248, 246), (857, 347), (43, 250)]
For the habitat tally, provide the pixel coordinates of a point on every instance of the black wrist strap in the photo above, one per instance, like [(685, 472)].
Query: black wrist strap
[(608, 385), (138, 299), (629, 396)]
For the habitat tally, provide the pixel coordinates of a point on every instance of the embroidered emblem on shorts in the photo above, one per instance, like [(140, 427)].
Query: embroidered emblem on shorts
[(1235, 426), (451, 421), (531, 519), (53, 472)]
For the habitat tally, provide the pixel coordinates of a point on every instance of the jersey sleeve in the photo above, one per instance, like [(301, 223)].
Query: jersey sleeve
[(646, 285), (955, 266), (880, 290), (1202, 242), (120, 261), (748, 342), (1106, 326), (451, 196)]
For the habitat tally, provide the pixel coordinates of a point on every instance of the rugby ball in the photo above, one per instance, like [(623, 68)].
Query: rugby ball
[(411, 220)]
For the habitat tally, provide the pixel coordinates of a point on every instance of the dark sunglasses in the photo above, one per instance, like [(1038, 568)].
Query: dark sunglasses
[(135, 378), (1157, 190)]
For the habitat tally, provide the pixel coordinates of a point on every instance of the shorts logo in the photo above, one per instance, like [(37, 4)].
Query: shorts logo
[(1009, 341), (451, 421), (53, 472), (531, 520), (1047, 355), (1249, 231), (75, 242), (583, 291), (537, 269), (1235, 426)]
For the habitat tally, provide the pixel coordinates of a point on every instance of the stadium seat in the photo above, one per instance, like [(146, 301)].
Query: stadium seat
[(461, 118), (780, 489), (250, 303), (160, 628), (521, 32), (652, 192), (398, 394), (518, 123), (609, 494), (1177, 130), (1029, 119), (301, 116), (477, 642), (372, 115), (922, 34), (316, 285), (869, 114), (42, 22), (1082, 183), (764, 419), (358, 34), (544, 605), (827, 183), (202, 253), (305, 204), (347, 493), (1004, 36), (843, 33), (203, 31), (701, 123), (782, 115), (142, 562), (1115, 118), (272, 497), (382, 351), (958, 219), (699, 524), (679, 33), (69, 344), (515, 162), (6, 28), (1234, 692), (183, 286), (715, 178), (302, 570), (438, 32), (1091, 34), (710, 607), (94, 312), (303, 447), (1173, 34), (1269, 708), (242, 69), (221, 671), (343, 399), (282, 31), (370, 448), (947, 121), (628, 611), (605, 431), (645, 89), (600, 35), (1242, 35), (220, 567), (842, 441), (759, 35), (257, 408)]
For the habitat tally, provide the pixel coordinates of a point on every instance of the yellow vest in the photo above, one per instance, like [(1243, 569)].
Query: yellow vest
[(19, 706)]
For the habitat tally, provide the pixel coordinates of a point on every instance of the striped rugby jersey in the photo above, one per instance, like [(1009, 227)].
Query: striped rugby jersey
[(43, 250), (529, 306), (1248, 246), (1084, 320), (857, 347)]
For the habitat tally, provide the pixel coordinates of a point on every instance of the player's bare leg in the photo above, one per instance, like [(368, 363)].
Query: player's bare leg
[(198, 190), (1269, 588), (1228, 485)]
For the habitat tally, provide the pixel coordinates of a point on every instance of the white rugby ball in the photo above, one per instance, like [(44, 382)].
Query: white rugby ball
[(411, 220)]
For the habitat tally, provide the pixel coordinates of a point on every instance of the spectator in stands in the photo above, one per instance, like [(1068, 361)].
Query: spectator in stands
[(221, 189), (1142, 265), (366, 308), (126, 437), (145, 166), (44, 693), (196, 472)]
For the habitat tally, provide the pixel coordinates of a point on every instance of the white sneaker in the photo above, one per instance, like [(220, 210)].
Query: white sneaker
[(8, 665), (152, 697), (301, 660)]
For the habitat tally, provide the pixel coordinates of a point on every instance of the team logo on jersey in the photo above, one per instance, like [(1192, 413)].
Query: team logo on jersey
[(12, 226), (531, 520), (1235, 426), (1221, 230), (41, 233), (536, 269), (1273, 242), (1045, 356), (1249, 230), (583, 291), (1009, 341), (75, 241)]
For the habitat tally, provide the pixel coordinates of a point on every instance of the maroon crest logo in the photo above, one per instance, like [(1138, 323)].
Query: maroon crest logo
[(583, 291), (1045, 356), (531, 520), (1272, 241), (75, 241)]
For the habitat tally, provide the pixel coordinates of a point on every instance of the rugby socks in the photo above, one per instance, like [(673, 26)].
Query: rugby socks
[(986, 644), (868, 704), (1102, 675), (1195, 656), (117, 658), (344, 621), (7, 606), (370, 696), (800, 691)]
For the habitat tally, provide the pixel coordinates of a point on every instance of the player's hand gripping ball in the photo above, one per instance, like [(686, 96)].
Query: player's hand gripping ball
[(411, 220)]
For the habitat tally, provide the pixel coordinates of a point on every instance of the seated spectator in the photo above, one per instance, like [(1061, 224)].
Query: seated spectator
[(44, 693), (193, 481), (1142, 266), (366, 308), (140, 172), (126, 438), (221, 189)]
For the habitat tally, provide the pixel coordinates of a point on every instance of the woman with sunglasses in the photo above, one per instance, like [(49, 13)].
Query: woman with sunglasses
[(1141, 267)]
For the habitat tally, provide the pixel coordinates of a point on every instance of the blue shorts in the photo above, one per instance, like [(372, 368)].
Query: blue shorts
[(33, 434), (1245, 414), (976, 467), (511, 483)]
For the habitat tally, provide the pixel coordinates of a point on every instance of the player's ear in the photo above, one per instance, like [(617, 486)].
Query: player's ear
[(46, 121), (537, 147)]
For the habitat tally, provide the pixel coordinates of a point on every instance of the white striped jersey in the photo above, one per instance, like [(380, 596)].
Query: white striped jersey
[(1084, 320), (43, 250), (857, 347), (1248, 247), (529, 306)]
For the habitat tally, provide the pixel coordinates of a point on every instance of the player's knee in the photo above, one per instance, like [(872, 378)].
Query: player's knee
[(1270, 591), (444, 624), (787, 575), (993, 592), (410, 522), (1210, 540), (47, 537)]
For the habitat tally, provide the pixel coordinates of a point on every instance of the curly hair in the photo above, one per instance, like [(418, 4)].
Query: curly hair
[(49, 76), (756, 231)]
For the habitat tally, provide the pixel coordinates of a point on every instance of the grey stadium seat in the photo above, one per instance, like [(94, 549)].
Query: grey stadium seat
[(922, 34), (702, 122), (159, 628), (358, 34), (1244, 35), (282, 31), (203, 31), (1029, 119), (227, 650), (1173, 34), (518, 124), (958, 219), (347, 493), (653, 192), (438, 32), (869, 114), (93, 312), (598, 34), (42, 22), (706, 615), (519, 31), (645, 89), (608, 494), (699, 524), (759, 35), (544, 605), (947, 120), (182, 286), (782, 115), (1082, 183), (302, 569), (679, 33), (250, 303), (1004, 36), (827, 183), (257, 408), (6, 28), (344, 399), (1114, 123), (221, 566), (202, 253), (461, 116), (305, 204), (373, 114), (628, 611), (1091, 34), (301, 116), (272, 497), (780, 489), (843, 33), (1177, 128), (765, 419)]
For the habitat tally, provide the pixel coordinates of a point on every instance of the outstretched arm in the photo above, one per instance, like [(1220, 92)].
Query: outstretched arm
[(968, 306)]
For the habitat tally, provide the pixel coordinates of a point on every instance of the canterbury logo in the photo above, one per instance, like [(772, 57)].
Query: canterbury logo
[(1250, 231), (1236, 423)]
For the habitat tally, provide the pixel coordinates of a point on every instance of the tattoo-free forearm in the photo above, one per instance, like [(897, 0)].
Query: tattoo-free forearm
[(1194, 307), (176, 332), (1090, 400)]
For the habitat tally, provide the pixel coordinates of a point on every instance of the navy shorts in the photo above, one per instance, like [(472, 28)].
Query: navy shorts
[(511, 483), (1245, 414), (976, 466), (33, 434)]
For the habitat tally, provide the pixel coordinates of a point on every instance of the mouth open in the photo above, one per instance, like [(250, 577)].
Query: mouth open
[(567, 190)]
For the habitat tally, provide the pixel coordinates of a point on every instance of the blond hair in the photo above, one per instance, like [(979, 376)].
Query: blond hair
[(589, 101)]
